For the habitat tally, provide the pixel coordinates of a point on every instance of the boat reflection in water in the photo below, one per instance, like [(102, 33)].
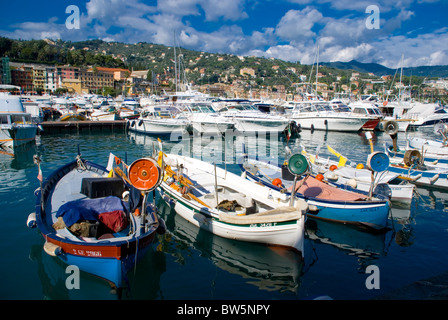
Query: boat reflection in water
[(350, 239), (268, 268), (143, 281)]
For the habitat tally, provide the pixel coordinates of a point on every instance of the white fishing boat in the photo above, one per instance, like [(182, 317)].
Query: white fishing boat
[(110, 114), (248, 118), (231, 206), (361, 179), (430, 152), (205, 120), (345, 173), (420, 174), (17, 127), (161, 120)]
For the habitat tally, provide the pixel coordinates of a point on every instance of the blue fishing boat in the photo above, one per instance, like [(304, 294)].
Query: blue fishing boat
[(326, 201), (98, 219)]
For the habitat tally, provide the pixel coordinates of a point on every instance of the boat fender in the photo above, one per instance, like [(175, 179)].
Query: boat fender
[(352, 183), (320, 177), (140, 123), (137, 212), (132, 123), (52, 249), (31, 221), (333, 167), (161, 229), (125, 196), (277, 182), (313, 209), (360, 166)]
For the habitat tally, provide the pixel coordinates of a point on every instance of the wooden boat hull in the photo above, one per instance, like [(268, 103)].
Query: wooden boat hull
[(372, 213), (427, 178), (110, 258), (284, 228)]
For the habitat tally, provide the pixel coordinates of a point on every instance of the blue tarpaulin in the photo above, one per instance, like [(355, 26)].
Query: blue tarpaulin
[(88, 209)]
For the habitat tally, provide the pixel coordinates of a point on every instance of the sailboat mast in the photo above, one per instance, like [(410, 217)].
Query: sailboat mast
[(175, 63), (317, 67), (401, 76)]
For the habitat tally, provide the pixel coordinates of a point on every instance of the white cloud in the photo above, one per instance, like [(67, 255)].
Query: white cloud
[(297, 25), (293, 37)]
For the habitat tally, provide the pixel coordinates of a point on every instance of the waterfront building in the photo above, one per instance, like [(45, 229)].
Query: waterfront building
[(5, 71), (51, 79), (22, 76)]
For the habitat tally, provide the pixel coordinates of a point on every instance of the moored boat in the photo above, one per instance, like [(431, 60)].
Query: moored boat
[(88, 221), (319, 115), (16, 125), (230, 206), (327, 201), (343, 173), (249, 119), (160, 120)]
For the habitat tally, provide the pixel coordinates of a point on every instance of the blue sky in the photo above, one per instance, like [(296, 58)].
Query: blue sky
[(284, 29)]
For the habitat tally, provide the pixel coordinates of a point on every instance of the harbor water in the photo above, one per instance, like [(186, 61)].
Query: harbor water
[(190, 264)]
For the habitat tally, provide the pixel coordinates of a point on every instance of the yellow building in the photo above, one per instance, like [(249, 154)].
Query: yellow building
[(94, 79), (73, 86), (38, 78)]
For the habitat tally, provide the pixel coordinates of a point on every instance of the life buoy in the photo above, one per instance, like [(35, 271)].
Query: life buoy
[(385, 103), (277, 182)]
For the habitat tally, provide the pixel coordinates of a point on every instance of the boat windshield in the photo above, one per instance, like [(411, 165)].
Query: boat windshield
[(241, 107), (360, 110), (323, 107), (202, 108), (341, 108)]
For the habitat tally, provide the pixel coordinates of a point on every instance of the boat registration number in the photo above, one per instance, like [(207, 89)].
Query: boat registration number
[(87, 253), (263, 225)]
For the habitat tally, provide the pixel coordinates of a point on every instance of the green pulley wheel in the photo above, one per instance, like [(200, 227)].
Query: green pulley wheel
[(298, 164)]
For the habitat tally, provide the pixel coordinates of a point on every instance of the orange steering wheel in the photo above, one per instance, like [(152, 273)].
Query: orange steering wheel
[(144, 174)]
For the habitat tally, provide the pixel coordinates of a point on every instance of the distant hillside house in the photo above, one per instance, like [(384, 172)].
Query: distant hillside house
[(249, 71)]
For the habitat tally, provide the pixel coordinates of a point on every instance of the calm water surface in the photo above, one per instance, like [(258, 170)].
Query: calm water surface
[(187, 263)]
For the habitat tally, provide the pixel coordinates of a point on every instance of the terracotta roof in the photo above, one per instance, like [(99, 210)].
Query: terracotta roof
[(111, 69)]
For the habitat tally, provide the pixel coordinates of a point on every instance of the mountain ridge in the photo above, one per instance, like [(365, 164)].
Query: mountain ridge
[(380, 70)]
